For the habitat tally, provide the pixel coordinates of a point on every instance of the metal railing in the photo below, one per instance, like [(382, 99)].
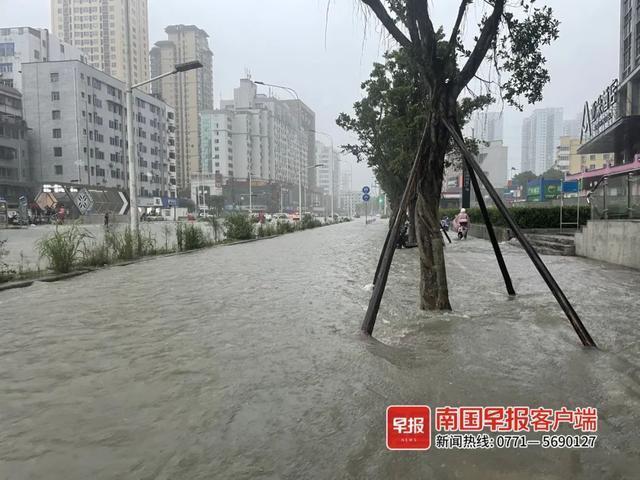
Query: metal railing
[(616, 197)]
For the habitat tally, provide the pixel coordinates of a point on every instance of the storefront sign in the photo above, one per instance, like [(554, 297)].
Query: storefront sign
[(602, 112)]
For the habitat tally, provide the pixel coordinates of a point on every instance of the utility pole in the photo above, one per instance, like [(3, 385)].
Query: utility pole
[(131, 148)]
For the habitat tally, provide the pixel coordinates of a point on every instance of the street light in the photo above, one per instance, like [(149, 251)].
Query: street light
[(131, 150), (290, 90), (317, 165)]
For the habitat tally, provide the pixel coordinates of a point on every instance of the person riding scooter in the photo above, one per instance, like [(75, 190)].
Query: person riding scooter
[(461, 223)]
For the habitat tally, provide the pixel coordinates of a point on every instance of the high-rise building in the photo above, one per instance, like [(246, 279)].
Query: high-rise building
[(485, 126), (540, 138), (77, 118), (328, 157), (14, 168), (263, 135), (20, 45), (98, 27), (191, 93)]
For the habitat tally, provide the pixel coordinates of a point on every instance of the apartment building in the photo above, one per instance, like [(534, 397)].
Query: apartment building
[(191, 93), (20, 45), (99, 27), (77, 118)]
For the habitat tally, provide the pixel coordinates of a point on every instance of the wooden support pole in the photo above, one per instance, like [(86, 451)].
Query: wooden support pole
[(387, 253), (571, 314), (492, 233)]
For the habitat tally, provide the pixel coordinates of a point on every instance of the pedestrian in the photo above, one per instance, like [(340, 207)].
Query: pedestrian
[(106, 219)]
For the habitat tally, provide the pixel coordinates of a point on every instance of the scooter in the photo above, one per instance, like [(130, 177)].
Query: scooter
[(463, 229)]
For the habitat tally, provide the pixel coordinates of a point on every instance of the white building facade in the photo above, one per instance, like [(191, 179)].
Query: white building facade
[(258, 136), (20, 45), (98, 27), (77, 118), (541, 134), (493, 159)]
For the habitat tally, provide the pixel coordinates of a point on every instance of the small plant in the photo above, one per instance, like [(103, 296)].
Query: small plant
[(6, 273), (96, 255), (166, 231), (180, 236), (63, 247), (216, 228), (121, 244), (190, 237), (238, 227), (284, 227), (309, 222)]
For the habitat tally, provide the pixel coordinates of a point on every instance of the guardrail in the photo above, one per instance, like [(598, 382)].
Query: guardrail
[(616, 196)]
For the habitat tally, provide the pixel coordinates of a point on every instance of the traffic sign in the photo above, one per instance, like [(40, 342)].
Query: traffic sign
[(365, 197), (365, 190)]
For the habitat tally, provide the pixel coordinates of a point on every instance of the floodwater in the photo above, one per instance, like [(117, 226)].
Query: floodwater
[(245, 362)]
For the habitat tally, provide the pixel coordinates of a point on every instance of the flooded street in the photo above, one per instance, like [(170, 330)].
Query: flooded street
[(246, 362)]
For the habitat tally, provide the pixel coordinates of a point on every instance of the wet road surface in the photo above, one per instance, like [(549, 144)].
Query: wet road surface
[(246, 362)]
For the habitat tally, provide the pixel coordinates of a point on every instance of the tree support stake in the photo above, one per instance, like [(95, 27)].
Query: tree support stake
[(492, 233), (557, 292)]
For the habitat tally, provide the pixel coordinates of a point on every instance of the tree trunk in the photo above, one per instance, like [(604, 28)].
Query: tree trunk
[(434, 293), (412, 221)]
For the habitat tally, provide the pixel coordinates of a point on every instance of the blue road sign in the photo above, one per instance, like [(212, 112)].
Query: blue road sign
[(365, 197), (365, 190)]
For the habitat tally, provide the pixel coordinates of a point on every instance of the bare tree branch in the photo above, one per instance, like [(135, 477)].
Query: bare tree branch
[(383, 15), (486, 39), (453, 40)]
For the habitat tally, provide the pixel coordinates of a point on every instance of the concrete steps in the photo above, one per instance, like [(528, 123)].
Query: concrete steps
[(548, 244)]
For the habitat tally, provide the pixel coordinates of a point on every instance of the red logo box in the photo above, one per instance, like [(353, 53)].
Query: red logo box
[(408, 427)]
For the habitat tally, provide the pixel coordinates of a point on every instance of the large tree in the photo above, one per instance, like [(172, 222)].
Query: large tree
[(509, 38), (388, 122)]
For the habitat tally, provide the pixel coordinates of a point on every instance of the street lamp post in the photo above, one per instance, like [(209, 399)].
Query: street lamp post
[(331, 162), (131, 148)]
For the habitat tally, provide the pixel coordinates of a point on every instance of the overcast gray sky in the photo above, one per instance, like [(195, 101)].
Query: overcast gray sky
[(283, 42)]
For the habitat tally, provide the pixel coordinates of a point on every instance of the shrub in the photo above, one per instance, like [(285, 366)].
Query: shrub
[(526, 217), (309, 222), (63, 247), (6, 273), (190, 237), (238, 227), (96, 255), (284, 227), (122, 244)]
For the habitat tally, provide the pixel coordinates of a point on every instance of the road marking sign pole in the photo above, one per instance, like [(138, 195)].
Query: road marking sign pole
[(365, 199)]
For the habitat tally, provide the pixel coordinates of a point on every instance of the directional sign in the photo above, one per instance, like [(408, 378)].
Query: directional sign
[(83, 201), (365, 190), (125, 203), (365, 197)]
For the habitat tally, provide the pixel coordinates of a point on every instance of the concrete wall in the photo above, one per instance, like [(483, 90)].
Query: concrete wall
[(480, 231), (612, 241)]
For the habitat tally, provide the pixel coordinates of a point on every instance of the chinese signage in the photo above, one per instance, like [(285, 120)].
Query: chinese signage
[(409, 427), (602, 112)]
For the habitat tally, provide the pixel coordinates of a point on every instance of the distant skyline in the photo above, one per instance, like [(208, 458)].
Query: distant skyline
[(289, 42)]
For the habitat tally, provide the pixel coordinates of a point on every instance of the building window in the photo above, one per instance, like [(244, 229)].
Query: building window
[(58, 169), (55, 114), (54, 77), (57, 151), (6, 67), (36, 54), (57, 133), (55, 96), (7, 49)]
